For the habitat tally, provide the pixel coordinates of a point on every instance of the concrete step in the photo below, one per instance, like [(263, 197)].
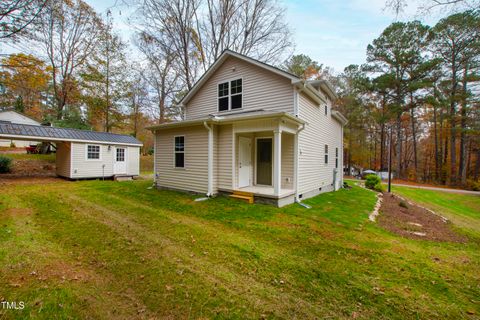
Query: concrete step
[(122, 178)]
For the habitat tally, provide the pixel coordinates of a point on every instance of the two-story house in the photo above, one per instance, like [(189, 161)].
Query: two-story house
[(252, 129)]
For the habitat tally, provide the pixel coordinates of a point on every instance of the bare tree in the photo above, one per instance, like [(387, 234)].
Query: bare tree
[(68, 32), (252, 27), (17, 15), (200, 30), (427, 6), (159, 74)]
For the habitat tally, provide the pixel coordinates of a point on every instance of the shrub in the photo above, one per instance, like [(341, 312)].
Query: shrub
[(372, 181), (473, 185), (5, 164), (379, 187)]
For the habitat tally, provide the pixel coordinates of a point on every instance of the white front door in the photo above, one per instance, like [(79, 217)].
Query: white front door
[(120, 161), (244, 161)]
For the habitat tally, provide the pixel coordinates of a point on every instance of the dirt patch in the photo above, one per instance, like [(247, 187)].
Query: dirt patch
[(15, 212), (29, 167), (412, 221)]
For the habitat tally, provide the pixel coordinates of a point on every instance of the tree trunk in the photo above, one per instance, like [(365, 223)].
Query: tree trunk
[(382, 142), (399, 146), (435, 137), (462, 170), (453, 127), (414, 136)]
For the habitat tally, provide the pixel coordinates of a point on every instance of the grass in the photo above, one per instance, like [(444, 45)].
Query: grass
[(24, 156), (462, 209), (94, 249)]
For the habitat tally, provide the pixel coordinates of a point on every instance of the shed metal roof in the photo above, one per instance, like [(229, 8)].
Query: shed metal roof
[(43, 133)]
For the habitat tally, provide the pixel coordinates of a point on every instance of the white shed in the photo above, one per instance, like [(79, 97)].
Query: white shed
[(83, 154), (13, 116)]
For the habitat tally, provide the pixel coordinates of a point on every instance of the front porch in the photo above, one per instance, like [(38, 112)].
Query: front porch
[(264, 162)]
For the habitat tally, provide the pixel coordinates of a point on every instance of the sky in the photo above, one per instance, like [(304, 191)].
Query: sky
[(333, 32)]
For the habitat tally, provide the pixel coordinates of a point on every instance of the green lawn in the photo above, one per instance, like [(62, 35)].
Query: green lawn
[(24, 156), (94, 249), (462, 209)]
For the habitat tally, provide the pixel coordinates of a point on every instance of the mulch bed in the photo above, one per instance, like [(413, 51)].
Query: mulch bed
[(412, 221)]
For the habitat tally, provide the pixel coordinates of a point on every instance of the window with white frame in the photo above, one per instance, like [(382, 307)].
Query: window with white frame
[(336, 158), (326, 154), (230, 95), (179, 152), (93, 152), (120, 155)]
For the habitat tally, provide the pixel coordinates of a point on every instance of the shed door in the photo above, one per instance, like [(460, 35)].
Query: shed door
[(120, 161)]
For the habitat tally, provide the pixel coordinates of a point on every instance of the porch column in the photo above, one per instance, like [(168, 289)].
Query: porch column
[(277, 161)]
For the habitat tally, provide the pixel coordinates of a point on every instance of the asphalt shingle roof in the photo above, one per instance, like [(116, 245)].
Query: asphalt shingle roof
[(65, 134)]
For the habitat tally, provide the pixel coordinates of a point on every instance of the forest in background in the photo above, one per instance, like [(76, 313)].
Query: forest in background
[(418, 91)]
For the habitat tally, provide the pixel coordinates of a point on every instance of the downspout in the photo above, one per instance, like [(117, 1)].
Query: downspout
[(297, 166), (210, 159)]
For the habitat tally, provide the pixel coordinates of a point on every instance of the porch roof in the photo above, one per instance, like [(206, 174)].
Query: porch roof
[(218, 118)]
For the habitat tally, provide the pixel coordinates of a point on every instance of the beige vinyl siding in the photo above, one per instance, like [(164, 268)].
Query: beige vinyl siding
[(287, 161), (224, 160), (133, 158), (261, 88), (83, 168), (194, 177), (320, 130), (62, 159)]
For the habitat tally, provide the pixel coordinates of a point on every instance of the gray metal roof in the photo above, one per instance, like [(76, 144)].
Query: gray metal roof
[(15, 130)]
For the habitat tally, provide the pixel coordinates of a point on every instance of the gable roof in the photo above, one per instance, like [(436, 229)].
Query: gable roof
[(5, 110), (229, 53), (32, 132)]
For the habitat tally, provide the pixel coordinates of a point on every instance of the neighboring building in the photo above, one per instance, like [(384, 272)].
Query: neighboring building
[(251, 128), (13, 116), (83, 154)]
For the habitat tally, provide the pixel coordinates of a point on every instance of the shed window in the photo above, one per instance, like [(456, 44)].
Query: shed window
[(179, 152), (336, 158), (326, 110), (93, 152), (230, 95), (120, 154), (326, 154)]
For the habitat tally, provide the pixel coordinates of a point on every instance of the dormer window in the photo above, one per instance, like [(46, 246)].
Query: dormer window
[(230, 95)]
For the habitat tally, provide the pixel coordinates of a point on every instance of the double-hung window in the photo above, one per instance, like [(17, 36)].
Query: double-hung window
[(326, 154), (230, 95), (179, 151), (93, 152)]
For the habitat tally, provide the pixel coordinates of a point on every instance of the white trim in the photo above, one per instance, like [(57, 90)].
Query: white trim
[(124, 160), (99, 152), (175, 152), (209, 160), (255, 167), (234, 151), (277, 162), (47, 139), (154, 157), (229, 96)]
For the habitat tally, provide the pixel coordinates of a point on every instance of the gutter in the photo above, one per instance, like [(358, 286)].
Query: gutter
[(210, 159)]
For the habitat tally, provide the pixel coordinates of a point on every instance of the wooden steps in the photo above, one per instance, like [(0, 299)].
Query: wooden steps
[(243, 195)]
